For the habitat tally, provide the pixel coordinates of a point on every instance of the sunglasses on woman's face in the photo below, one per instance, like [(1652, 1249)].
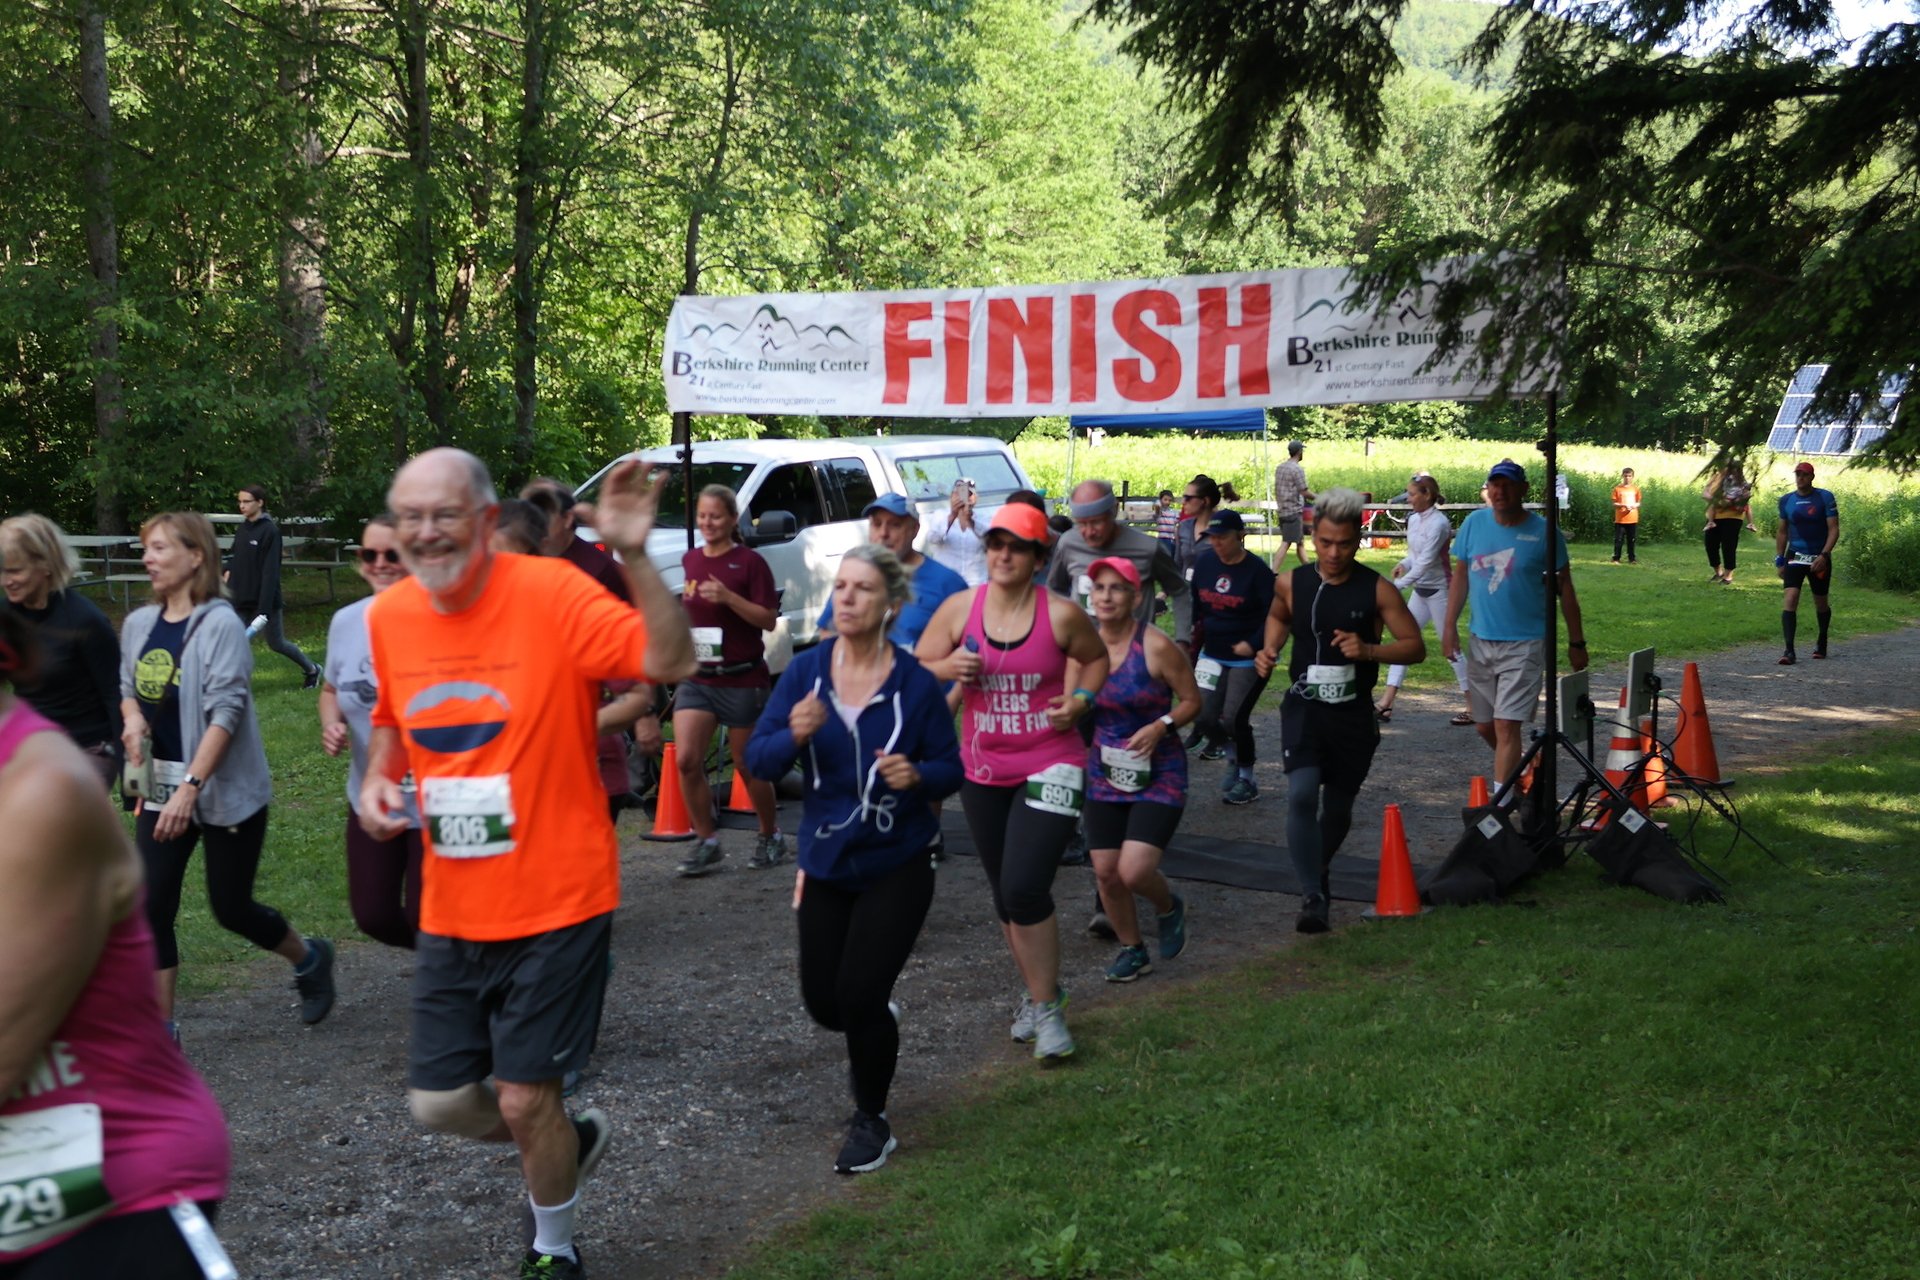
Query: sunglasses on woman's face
[(370, 556)]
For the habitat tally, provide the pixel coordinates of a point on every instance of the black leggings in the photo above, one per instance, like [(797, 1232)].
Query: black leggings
[(1228, 710), (1723, 542), (146, 1244), (1020, 849), (1318, 819), (383, 883), (853, 945), (233, 859)]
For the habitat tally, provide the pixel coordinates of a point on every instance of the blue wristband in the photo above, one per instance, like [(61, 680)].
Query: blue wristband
[(1779, 562), (1084, 693)]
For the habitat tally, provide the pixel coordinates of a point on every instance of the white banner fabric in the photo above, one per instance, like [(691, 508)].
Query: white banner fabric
[(1235, 341)]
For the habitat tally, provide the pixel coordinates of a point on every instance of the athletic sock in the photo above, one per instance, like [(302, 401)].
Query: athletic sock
[(1823, 619), (1246, 771), (553, 1228), (1787, 618), (311, 961)]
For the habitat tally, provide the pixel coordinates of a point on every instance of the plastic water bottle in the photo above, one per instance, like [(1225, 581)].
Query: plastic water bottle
[(258, 625)]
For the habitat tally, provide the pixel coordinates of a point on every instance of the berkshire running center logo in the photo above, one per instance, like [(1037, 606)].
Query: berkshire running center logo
[(457, 716), (769, 335)]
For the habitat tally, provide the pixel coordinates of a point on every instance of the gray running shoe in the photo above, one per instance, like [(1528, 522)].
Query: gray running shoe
[(768, 851), (1023, 1020), (1051, 1039), (1129, 964), (1241, 792), (1173, 929), (705, 856), (316, 985)]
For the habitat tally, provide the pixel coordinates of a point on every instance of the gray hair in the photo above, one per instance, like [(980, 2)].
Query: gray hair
[(899, 583), (1342, 506)]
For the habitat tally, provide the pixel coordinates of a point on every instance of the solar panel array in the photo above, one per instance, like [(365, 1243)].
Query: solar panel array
[(1796, 429)]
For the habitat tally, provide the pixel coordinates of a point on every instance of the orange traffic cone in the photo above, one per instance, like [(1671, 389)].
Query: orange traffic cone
[(1477, 793), (1397, 894), (1693, 752), (670, 821), (1653, 787), (739, 801)]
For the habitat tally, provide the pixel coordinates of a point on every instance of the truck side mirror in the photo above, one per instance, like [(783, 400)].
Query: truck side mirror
[(773, 526)]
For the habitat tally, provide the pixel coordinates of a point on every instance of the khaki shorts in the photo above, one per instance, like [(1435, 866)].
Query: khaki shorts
[(1504, 679)]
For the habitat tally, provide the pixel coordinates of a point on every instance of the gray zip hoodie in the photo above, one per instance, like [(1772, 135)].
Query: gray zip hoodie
[(216, 688)]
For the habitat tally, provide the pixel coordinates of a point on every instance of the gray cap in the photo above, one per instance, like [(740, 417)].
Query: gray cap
[(1294, 446)]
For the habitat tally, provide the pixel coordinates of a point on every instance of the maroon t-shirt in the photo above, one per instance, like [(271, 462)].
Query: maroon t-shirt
[(601, 565), (744, 571)]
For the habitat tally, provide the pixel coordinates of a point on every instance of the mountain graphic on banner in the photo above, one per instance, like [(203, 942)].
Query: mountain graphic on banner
[(767, 332)]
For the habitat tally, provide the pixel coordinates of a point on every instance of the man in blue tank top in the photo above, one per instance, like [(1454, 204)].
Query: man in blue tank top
[(1808, 531), (1335, 610)]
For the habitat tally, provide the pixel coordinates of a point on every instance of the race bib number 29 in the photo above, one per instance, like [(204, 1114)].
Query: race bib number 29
[(50, 1179), (469, 817)]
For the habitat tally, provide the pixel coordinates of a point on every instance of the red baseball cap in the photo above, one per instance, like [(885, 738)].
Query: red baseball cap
[(1125, 568), (1805, 466), (1024, 522)]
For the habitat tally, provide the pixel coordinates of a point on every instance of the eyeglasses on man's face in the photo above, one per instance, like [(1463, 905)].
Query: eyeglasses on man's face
[(445, 517)]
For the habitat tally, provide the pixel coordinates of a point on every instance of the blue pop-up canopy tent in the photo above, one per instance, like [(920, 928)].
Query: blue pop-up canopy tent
[(1245, 421)]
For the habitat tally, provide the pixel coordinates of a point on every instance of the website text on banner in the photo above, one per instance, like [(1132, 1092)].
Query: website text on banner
[(1243, 340)]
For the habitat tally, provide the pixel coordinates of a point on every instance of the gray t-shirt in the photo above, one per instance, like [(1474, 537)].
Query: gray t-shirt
[(1072, 557), (349, 670)]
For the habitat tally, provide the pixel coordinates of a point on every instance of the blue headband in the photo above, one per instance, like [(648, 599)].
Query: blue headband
[(1102, 506)]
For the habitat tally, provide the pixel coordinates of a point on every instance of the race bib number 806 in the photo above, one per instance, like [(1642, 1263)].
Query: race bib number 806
[(469, 817)]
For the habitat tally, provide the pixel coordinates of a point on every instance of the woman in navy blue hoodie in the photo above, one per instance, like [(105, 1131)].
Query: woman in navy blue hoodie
[(872, 732)]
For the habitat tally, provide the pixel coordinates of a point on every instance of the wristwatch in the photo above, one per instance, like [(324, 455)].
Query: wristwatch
[(1167, 720), (194, 780)]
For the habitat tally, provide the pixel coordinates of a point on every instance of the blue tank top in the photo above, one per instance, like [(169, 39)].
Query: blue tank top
[(1130, 700)]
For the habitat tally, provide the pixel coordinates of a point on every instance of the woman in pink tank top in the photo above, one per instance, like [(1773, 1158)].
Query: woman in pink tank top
[(111, 1148), (1011, 645)]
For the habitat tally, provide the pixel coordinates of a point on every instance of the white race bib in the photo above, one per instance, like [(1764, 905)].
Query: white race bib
[(1083, 592), (1801, 557), (1059, 789), (1206, 673), (1128, 771), (50, 1181), (469, 817), (706, 644), (168, 777), (1328, 683)]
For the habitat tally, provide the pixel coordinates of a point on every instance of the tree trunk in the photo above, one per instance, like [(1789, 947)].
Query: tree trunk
[(303, 298), (530, 151), (103, 257)]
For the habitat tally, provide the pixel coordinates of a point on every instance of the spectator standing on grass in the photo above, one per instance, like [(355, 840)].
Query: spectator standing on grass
[(1336, 611), (1290, 499), (1166, 521), (187, 720), (1804, 540), (78, 681), (383, 876), (1626, 517), (1729, 498), (1504, 562), (253, 579), (870, 730), (953, 536), (490, 669)]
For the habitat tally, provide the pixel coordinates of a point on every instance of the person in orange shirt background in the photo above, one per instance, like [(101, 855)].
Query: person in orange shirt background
[(1626, 517)]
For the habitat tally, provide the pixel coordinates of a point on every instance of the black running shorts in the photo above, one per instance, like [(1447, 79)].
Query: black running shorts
[(524, 1010), (1795, 575), (1111, 823), (1337, 738)]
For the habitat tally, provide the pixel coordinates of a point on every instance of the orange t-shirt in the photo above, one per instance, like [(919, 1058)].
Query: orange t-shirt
[(496, 706), (1626, 504)]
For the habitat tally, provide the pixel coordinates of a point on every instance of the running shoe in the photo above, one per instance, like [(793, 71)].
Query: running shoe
[(547, 1266), (1214, 751), (1788, 658), (768, 851), (1241, 792), (591, 1127), (316, 986), (1099, 926), (937, 851), (869, 1141), (1313, 915), (1129, 964), (1075, 854), (706, 855), (1173, 929), (1051, 1039), (1820, 652), (312, 680), (1023, 1020)]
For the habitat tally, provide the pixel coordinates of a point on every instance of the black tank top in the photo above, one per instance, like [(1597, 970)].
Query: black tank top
[(1320, 609)]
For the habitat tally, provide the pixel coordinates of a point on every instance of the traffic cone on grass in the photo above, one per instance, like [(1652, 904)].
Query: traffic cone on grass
[(670, 821), (1693, 752), (1396, 895), (739, 801)]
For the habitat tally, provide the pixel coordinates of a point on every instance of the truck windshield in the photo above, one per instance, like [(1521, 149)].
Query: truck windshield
[(673, 489), (931, 478)]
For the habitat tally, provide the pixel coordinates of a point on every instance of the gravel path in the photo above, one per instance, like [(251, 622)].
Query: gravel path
[(728, 1103)]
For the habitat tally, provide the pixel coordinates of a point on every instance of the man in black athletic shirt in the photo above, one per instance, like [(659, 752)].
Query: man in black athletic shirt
[(1335, 608)]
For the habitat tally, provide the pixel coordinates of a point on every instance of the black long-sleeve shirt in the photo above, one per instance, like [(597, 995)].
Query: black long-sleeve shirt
[(253, 568), (79, 684)]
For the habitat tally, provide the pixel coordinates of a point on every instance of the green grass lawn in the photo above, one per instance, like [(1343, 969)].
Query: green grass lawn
[(1593, 1082)]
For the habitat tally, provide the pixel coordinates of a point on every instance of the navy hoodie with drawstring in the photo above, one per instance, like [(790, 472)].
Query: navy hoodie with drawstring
[(854, 828)]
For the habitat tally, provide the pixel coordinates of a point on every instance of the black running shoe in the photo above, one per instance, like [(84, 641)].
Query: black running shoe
[(869, 1140), (1313, 915), (316, 988), (312, 681), (594, 1133), (546, 1266), (1788, 658)]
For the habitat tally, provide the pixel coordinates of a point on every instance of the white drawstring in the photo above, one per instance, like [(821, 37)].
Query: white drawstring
[(881, 810)]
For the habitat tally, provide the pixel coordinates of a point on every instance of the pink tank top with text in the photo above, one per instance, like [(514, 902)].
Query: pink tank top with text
[(1005, 737), (110, 1119)]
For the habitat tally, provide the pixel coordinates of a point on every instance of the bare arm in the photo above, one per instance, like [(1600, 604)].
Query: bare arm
[(624, 711), (939, 649), (382, 808), (1456, 601), (1407, 646), (333, 725), (1087, 661), (625, 518), (1576, 628), (1279, 625)]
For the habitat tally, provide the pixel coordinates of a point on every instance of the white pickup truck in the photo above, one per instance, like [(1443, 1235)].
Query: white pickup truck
[(824, 485)]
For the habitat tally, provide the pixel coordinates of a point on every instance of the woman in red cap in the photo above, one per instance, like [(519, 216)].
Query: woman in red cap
[(1136, 768), (1008, 643)]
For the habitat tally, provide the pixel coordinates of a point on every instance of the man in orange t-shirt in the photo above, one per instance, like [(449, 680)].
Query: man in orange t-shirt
[(1626, 517), (489, 666)]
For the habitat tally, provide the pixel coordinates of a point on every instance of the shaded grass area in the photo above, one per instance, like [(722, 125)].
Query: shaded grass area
[(1589, 1081)]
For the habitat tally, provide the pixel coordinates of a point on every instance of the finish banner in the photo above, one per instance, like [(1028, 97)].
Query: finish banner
[(1231, 341)]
